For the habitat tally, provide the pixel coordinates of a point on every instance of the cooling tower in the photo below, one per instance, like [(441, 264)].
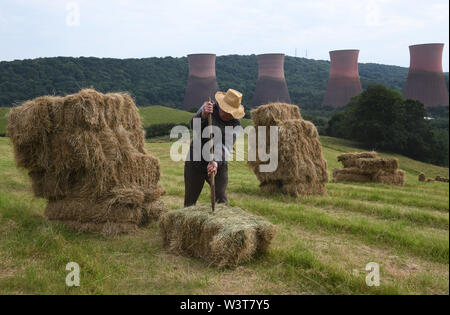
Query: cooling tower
[(343, 82), (202, 82), (271, 85), (426, 81)]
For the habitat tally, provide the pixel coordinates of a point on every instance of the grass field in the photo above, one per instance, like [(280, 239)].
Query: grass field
[(322, 246)]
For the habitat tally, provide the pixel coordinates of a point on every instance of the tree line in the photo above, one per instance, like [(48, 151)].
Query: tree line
[(162, 81), (380, 119)]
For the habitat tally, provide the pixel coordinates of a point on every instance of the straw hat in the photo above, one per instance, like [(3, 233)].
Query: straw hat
[(230, 102)]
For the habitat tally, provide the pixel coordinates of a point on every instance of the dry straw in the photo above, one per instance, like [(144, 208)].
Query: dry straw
[(85, 154), (302, 169), (227, 237), (367, 167)]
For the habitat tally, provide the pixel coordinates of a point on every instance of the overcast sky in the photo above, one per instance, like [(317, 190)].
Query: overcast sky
[(381, 29)]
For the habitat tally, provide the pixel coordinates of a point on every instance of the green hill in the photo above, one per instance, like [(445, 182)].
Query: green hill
[(322, 246), (162, 81), (153, 115)]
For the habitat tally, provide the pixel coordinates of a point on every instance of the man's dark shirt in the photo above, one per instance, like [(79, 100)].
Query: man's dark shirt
[(216, 121)]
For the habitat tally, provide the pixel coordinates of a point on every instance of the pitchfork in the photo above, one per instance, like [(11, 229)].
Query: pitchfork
[(211, 158)]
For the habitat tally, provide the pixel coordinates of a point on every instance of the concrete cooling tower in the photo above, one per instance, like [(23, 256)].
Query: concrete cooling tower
[(343, 82), (271, 85), (426, 81), (201, 82)]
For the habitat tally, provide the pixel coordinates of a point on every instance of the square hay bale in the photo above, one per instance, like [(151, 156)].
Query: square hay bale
[(301, 169), (367, 167), (390, 178), (227, 237), (389, 165), (441, 179), (357, 155), (350, 159), (351, 175), (271, 114), (85, 154)]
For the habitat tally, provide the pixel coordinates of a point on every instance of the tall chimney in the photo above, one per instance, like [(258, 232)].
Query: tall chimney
[(343, 82), (201, 83), (271, 85), (426, 81)]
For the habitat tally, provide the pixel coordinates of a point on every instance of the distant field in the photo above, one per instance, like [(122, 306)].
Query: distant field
[(150, 115), (322, 246)]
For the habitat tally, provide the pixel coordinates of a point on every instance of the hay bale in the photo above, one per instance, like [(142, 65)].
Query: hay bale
[(227, 237), (373, 165), (302, 169), (272, 114), (357, 155), (85, 154), (351, 175), (441, 179), (350, 159), (422, 177), (390, 178), (367, 167)]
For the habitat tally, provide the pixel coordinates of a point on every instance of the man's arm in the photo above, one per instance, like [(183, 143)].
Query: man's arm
[(204, 110)]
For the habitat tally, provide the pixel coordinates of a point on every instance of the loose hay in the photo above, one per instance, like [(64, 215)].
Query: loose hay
[(302, 169), (367, 167), (85, 154), (227, 237)]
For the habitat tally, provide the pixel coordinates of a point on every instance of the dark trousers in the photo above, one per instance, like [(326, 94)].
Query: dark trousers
[(195, 175)]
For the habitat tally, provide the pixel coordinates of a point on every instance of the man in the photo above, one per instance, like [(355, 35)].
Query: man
[(226, 110)]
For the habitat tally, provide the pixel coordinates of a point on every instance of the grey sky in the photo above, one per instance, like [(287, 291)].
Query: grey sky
[(381, 29)]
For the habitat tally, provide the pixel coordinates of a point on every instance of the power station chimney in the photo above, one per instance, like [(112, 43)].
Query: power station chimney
[(271, 85), (343, 82), (201, 83), (426, 81)]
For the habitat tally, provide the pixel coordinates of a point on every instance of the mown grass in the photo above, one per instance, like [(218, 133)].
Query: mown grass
[(322, 246)]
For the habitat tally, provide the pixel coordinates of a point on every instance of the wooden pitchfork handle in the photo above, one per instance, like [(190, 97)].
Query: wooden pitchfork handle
[(211, 158)]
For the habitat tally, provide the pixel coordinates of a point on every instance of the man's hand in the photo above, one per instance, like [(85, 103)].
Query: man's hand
[(208, 108), (212, 168)]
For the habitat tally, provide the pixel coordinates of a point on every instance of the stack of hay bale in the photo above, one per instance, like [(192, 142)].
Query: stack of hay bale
[(85, 154), (441, 179), (225, 238), (302, 169), (367, 167)]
